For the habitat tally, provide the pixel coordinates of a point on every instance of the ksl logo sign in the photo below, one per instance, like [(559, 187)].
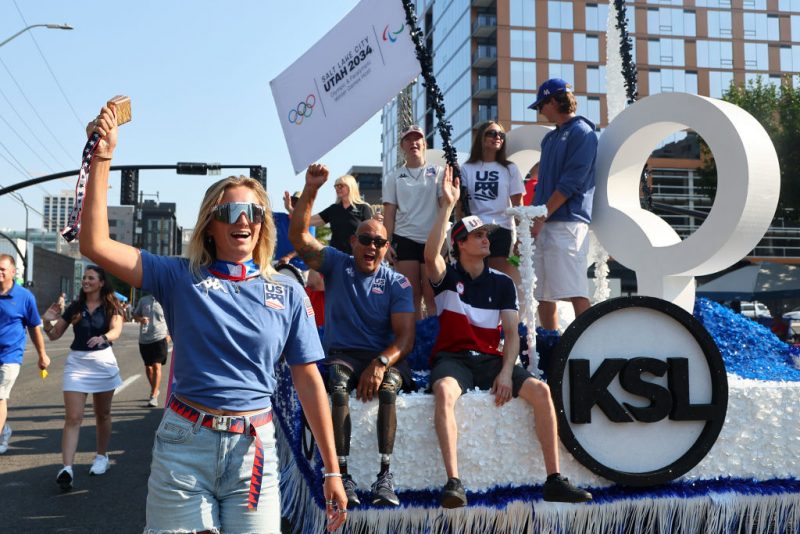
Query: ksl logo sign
[(640, 390)]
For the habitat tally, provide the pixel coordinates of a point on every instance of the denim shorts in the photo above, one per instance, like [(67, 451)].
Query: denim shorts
[(200, 479)]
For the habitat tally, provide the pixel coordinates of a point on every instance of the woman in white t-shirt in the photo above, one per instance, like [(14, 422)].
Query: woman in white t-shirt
[(493, 184), (409, 207)]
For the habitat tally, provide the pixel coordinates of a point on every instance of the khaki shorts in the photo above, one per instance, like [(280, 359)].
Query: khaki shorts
[(560, 261), (8, 375)]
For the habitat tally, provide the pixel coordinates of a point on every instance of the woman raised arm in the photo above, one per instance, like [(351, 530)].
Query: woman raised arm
[(119, 259)]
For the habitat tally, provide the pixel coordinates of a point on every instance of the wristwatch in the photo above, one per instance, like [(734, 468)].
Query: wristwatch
[(384, 360)]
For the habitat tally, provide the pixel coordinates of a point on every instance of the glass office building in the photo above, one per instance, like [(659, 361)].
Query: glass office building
[(490, 56)]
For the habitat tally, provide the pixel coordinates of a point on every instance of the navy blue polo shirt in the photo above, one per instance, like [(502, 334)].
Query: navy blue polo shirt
[(90, 325), (17, 312)]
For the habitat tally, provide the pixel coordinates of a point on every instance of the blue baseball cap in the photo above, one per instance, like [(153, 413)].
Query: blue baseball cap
[(549, 88)]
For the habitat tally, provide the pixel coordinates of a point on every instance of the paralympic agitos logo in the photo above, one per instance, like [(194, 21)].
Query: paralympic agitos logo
[(391, 36), (640, 390)]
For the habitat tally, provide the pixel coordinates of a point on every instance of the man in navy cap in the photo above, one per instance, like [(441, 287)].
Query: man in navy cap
[(475, 303), (566, 187)]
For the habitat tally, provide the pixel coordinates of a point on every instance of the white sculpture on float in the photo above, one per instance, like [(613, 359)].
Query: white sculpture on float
[(748, 185)]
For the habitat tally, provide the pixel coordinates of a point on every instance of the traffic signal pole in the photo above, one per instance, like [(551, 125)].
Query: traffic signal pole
[(180, 168)]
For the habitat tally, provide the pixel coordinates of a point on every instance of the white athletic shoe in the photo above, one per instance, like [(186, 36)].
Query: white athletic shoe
[(64, 478), (153, 402), (4, 437), (100, 465)]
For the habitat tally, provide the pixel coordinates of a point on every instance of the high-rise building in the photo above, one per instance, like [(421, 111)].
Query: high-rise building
[(56, 210), (490, 55), (120, 223), (186, 238), (160, 233), (369, 181)]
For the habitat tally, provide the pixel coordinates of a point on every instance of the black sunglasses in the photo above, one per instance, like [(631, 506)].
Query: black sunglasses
[(365, 240), (542, 104), (494, 134), (230, 212)]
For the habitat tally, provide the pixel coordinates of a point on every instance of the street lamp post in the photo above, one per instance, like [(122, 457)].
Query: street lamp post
[(49, 26), (27, 236)]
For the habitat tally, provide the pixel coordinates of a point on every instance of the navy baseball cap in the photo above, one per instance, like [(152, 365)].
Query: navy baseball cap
[(549, 88)]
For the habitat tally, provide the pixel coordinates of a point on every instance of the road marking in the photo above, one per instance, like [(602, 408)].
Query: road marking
[(127, 382)]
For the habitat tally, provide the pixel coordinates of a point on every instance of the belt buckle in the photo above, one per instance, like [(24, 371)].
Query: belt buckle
[(221, 423)]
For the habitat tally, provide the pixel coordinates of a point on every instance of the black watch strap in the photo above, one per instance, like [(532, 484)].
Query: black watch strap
[(384, 360)]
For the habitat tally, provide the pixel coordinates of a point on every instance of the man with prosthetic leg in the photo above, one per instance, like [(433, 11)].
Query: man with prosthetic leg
[(369, 329)]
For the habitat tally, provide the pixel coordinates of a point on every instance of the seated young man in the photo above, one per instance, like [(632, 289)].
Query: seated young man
[(369, 329), (473, 301)]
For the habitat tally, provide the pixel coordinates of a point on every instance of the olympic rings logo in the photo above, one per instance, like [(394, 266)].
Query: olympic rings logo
[(390, 35), (303, 110)]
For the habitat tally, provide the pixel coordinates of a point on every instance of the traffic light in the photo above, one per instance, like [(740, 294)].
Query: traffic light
[(191, 168), (260, 174), (129, 187)]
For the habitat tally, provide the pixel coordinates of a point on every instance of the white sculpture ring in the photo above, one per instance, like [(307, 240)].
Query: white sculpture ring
[(748, 186)]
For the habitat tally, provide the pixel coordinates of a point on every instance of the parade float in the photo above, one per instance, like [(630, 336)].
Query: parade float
[(677, 414)]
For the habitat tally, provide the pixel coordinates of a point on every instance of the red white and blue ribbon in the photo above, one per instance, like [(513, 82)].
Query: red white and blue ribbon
[(73, 227), (228, 270)]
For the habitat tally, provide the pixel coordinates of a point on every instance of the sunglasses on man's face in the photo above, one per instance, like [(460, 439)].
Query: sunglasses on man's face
[(495, 134), (230, 212), (365, 240), (541, 105)]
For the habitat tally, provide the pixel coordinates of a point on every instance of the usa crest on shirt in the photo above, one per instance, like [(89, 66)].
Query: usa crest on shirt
[(274, 296), (378, 286)]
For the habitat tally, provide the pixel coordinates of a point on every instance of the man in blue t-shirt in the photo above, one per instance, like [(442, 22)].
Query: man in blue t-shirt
[(369, 329), (566, 187), (17, 312)]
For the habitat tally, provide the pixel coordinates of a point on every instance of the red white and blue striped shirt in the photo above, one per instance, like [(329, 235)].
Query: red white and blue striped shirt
[(469, 310)]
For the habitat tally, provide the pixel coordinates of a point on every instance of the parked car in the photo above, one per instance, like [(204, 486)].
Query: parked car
[(792, 319), (755, 310), (793, 315)]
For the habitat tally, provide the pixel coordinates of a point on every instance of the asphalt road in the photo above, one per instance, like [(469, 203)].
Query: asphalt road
[(30, 501)]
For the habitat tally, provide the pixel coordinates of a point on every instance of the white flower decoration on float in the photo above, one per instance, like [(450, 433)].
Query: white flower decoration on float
[(525, 217)]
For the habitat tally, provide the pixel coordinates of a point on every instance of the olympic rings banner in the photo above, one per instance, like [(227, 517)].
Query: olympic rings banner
[(344, 79)]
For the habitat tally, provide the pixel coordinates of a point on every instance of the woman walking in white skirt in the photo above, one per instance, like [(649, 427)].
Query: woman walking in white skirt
[(90, 368)]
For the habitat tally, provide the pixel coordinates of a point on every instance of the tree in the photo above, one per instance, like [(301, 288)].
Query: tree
[(778, 111)]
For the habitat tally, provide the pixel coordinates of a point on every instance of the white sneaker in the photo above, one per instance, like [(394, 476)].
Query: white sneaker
[(4, 437), (153, 402), (100, 465), (64, 478)]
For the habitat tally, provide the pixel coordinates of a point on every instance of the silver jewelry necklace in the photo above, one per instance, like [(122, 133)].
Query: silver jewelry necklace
[(416, 178)]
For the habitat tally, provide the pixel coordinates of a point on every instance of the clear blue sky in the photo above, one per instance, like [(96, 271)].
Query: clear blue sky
[(198, 74)]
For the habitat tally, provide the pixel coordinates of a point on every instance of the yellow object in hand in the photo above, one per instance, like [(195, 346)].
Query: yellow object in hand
[(43, 373)]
